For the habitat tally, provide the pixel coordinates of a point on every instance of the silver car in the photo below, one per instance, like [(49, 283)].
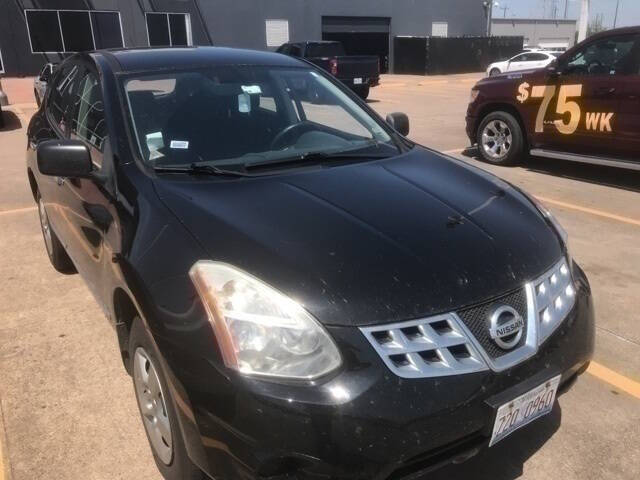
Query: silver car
[(41, 81)]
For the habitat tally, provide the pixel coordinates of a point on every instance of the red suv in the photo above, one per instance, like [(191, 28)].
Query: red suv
[(584, 107)]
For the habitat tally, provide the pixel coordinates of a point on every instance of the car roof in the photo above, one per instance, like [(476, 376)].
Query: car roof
[(141, 59)]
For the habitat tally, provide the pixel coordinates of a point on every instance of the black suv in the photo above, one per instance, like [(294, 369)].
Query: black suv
[(298, 291)]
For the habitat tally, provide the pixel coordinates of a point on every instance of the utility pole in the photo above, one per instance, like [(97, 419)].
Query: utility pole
[(488, 5), (504, 11), (615, 19), (583, 23), (566, 8)]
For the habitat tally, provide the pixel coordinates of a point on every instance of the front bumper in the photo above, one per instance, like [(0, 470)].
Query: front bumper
[(364, 422)]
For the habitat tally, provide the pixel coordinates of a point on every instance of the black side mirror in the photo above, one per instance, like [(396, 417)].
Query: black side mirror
[(64, 158), (399, 122)]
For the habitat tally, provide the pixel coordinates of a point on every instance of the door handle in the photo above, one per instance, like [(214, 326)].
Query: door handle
[(604, 91)]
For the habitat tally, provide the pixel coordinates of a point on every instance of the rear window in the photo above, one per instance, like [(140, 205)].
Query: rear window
[(325, 50)]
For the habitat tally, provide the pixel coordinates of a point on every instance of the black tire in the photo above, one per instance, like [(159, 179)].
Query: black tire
[(362, 91), (509, 147), (494, 71), (55, 251), (180, 467)]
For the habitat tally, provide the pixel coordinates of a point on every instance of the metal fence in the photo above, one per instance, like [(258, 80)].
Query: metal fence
[(439, 55)]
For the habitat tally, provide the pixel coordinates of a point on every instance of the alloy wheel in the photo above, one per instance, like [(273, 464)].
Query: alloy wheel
[(152, 405), (46, 227), (497, 139)]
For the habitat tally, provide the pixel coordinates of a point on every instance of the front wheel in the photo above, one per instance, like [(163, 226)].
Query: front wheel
[(494, 72), (56, 252), (157, 408), (500, 139), (362, 91)]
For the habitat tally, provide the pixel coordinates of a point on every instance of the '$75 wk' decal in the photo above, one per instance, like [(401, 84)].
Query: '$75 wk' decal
[(593, 121)]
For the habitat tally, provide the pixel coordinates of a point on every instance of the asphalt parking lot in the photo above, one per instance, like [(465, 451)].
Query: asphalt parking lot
[(67, 409)]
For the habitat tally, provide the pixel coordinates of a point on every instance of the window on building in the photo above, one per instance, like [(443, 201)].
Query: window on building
[(169, 29), (439, 29), (277, 32), (44, 31), (76, 31), (107, 31), (73, 30)]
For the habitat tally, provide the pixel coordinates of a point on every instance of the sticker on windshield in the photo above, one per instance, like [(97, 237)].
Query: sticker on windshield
[(252, 89), (244, 103), (181, 144)]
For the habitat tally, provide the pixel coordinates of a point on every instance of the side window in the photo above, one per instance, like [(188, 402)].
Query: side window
[(537, 57), (61, 98), (608, 56), (88, 122), (521, 58)]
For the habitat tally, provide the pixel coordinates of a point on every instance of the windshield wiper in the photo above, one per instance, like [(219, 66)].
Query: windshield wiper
[(312, 157), (195, 169)]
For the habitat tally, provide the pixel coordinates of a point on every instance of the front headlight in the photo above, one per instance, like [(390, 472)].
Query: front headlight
[(474, 95), (261, 331)]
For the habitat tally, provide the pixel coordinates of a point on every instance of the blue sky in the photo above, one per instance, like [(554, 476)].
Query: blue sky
[(628, 13)]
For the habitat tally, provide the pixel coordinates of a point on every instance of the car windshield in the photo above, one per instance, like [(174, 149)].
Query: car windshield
[(235, 116)]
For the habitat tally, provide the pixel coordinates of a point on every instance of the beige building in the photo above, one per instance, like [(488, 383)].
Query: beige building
[(545, 33)]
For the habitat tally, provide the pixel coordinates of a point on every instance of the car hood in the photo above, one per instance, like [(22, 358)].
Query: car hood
[(371, 242), (510, 77)]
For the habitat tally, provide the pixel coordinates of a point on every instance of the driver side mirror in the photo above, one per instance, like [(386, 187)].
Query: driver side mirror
[(553, 70), (64, 158), (399, 122)]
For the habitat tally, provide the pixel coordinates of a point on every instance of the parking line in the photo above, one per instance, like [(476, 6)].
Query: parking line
[(613, 378), (17, 210), (592, 211)]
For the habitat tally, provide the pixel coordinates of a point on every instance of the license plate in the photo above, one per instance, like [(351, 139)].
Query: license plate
[(357, 81), (524, 409)]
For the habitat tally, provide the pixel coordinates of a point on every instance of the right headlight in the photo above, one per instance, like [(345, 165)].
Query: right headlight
[(259, 330), (474, 95), (546, 213)]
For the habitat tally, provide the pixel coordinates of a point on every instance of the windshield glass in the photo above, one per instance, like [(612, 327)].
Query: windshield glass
[(234, 116), (325, 50)]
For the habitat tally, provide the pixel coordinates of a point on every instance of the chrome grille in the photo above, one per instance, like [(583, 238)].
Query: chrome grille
[(477, 320), (430, 347), (554, 298), (457, 343)]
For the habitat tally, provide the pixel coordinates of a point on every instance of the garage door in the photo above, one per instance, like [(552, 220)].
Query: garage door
[(360, 35)]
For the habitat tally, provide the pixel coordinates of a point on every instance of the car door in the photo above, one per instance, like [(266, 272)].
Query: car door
[(519, 62), (88, 206), (627, 131), (583, 108)]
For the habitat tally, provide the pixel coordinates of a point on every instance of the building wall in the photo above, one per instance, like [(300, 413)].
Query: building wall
[(536, 32), (238, 23)]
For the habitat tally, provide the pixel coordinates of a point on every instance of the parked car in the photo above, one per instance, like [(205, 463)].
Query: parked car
[(41, 81), (299, 291), (358, 72), (522, 61), (584, 107)]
